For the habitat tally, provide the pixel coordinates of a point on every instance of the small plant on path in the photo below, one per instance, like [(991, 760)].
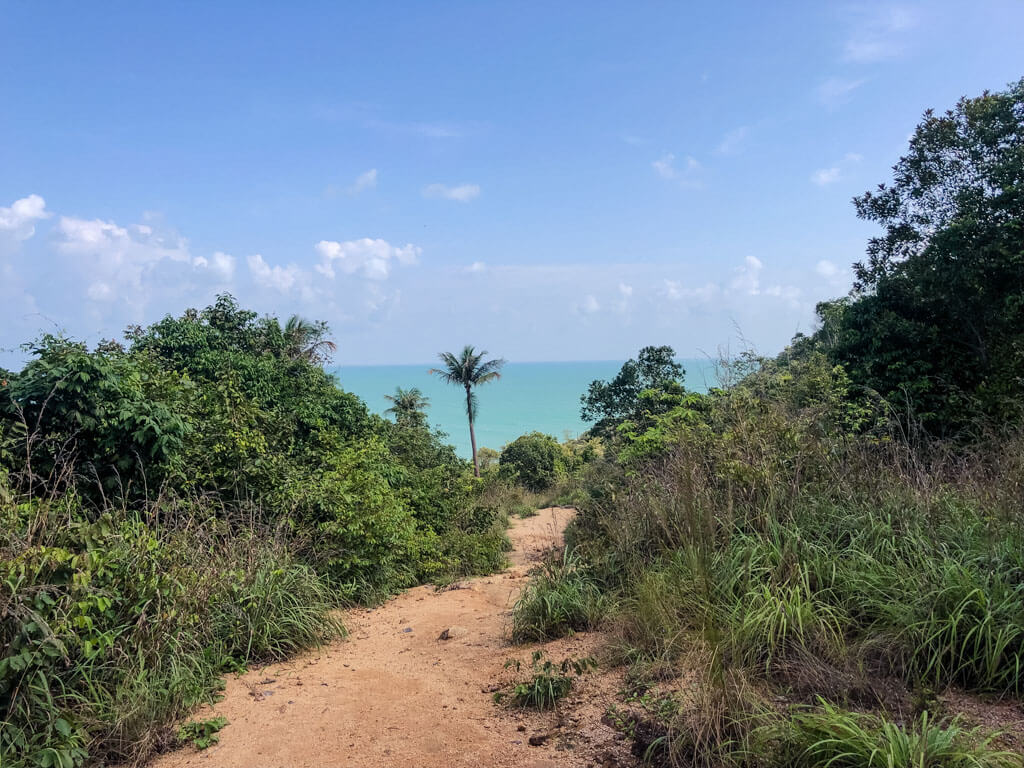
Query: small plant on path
[(202, 733), (548, 682)]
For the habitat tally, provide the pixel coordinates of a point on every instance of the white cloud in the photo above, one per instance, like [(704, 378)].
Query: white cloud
[(686, 174), (85, 235), (826, 268), (117, 260), (220, 265), (365, 180), (625, 295), (747, 278), (733, 295), (283, 279), (837, 90), (589, 305), (372, 258), (118, 246), (476, 266), (674, 290), (833, 274), (878, 33), (825, 176), (462, 193), (99, 291), (664, 166), (788, 292), (21, 217), (732, 142)]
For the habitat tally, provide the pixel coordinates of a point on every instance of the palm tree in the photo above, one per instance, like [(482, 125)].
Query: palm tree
[(304, 340), (408, 406), (469, 370)]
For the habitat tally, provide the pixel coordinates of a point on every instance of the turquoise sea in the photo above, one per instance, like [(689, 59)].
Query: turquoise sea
[(529, 396)]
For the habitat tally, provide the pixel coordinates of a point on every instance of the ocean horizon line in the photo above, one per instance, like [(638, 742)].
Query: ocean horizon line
[(509, 361)]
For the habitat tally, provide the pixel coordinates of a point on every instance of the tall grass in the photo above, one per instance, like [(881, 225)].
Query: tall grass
[(766, 544), (561, 597), (829, 736), (113, 629)]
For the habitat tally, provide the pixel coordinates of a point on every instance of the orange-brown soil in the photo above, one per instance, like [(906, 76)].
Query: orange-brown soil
[(394, 694)]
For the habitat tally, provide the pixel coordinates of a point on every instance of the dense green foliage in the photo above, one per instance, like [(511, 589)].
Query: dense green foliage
[(818, 567), (780, 540), (934, 322), (195, 500), (649, 385), (534, 459)]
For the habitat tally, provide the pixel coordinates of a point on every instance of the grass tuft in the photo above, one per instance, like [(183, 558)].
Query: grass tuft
[(829, 736), (562, 597)]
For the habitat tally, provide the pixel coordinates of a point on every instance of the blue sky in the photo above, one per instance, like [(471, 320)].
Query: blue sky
[(550, 181)]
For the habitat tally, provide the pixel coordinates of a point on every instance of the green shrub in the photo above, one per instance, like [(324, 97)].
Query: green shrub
[(534, 459), (278, 497)]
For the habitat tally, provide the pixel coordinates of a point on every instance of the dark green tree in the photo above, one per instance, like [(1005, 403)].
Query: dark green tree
[(935, 322), (650, 384), (469, 370), (534, 458), (105, 420)]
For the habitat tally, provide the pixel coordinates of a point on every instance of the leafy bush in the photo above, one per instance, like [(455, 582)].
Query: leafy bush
[(202, 733), (935, 323), (779, 541), (534, 459), (193, 500)]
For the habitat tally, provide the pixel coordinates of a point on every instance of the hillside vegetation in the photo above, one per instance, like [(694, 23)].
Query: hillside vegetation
[(190, 502), (812, 564)]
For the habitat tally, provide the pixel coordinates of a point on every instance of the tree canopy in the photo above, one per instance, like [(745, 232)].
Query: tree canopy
[(935, 322), (638, 388)]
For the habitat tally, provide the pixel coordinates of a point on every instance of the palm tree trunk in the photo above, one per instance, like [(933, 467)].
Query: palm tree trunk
[(472, 434)]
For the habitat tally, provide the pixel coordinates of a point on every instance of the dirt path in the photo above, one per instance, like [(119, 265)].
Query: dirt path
[(394, 694)]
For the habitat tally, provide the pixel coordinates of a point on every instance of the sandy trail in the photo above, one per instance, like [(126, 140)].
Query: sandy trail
[(394, 694)]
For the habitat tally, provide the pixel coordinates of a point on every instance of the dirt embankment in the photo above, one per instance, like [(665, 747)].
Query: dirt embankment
[(395, 694)]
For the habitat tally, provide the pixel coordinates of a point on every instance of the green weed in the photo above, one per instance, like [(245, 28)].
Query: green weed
[(202, 733), (547, 682)]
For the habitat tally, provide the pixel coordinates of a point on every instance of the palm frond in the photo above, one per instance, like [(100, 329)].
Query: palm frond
[(492, 376)]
